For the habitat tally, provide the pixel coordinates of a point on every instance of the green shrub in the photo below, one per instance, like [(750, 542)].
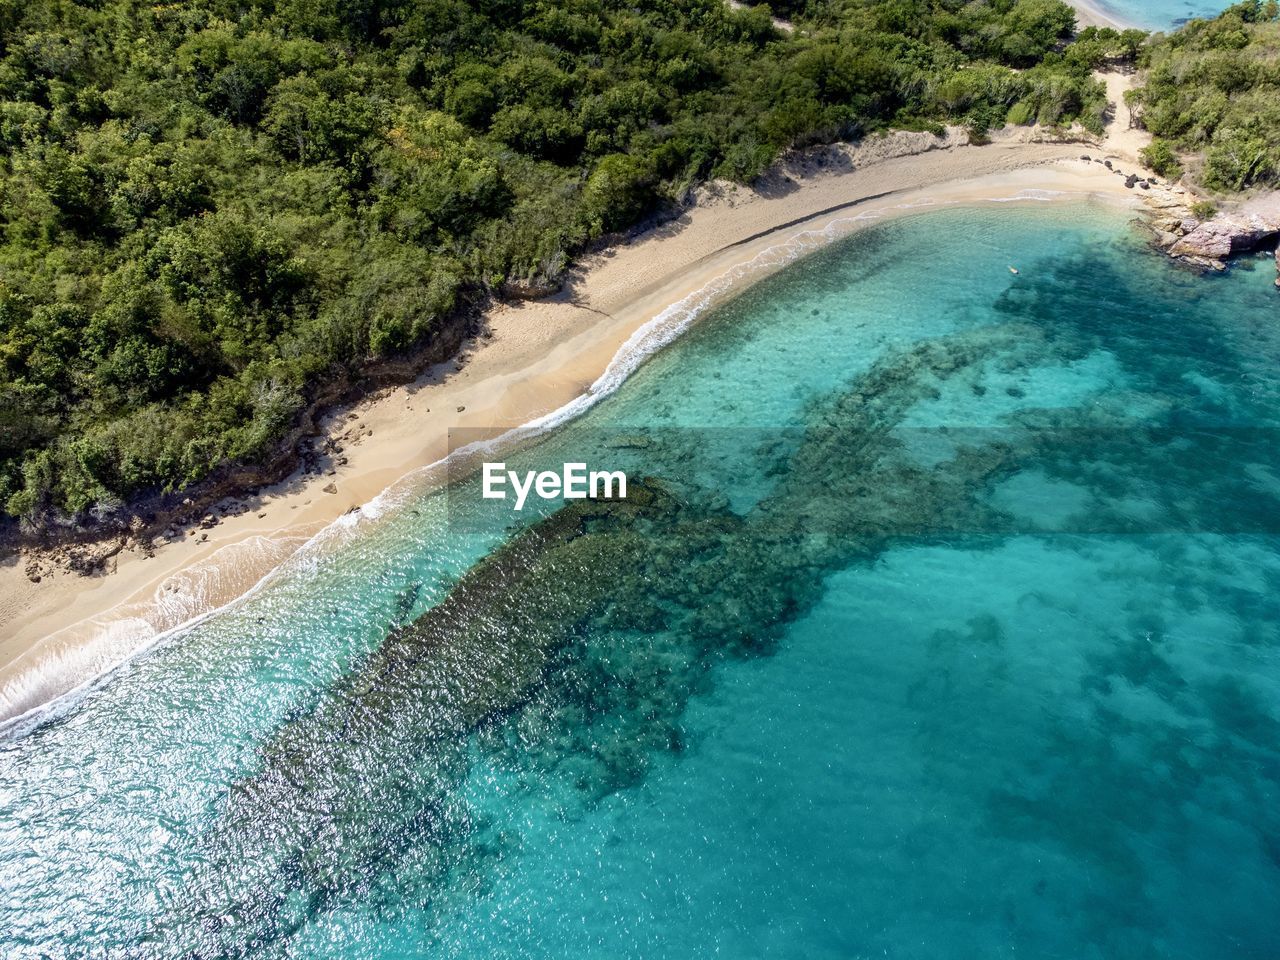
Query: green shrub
[(1161, 158), (1212, 88), (1021, 114), (1204, 209), (1239, 158)]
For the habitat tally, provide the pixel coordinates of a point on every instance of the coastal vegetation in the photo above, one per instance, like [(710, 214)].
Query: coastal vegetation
[(212, 209), (1212, 91)]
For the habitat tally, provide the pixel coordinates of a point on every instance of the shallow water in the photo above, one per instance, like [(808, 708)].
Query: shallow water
[(1162, 14), (956, 636)]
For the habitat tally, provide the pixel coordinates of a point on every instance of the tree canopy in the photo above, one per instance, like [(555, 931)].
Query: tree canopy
[(209, 207), (1213, 89)]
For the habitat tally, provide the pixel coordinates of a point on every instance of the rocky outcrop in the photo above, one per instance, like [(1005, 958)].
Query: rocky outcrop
[(1225, 236), (1204, 244), (1209, 244)]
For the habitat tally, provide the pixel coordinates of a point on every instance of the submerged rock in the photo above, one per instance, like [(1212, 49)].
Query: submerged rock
[(572, 649), (594, 676)]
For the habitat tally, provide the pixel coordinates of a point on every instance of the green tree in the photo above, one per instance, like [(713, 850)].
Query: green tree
[(1161, 158)]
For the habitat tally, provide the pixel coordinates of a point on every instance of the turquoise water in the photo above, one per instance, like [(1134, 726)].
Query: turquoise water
[(956, 636), (1162, 14)]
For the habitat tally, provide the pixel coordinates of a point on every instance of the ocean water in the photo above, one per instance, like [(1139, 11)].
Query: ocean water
[(941, 621), (1162, 14)]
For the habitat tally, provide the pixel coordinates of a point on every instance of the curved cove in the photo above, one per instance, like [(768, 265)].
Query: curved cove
[(940, 621)]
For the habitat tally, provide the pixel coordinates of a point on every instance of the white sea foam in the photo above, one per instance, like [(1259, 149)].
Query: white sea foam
[(1030, 194), (68, 669)]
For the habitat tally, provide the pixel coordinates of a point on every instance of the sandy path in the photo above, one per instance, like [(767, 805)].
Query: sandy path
[(536, 357), (1123, 139)]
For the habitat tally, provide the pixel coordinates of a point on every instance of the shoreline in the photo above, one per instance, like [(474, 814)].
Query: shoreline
[(535, 359), (1090, 13)]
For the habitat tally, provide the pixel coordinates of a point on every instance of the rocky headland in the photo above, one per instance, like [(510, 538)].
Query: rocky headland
[(1178, 223), (1209, 243)]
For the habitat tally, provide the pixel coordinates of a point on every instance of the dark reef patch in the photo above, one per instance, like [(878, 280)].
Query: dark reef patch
[(572, 651)]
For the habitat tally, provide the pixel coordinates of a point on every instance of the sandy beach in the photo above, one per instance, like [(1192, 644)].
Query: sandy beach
[(531, 360), (1090, 14)]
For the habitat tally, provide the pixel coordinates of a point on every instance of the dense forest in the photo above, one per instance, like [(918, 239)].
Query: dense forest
[(211, 206), (1213, 89)]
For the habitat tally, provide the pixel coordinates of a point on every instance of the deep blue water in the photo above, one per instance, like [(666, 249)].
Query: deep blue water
[(948, 629)]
